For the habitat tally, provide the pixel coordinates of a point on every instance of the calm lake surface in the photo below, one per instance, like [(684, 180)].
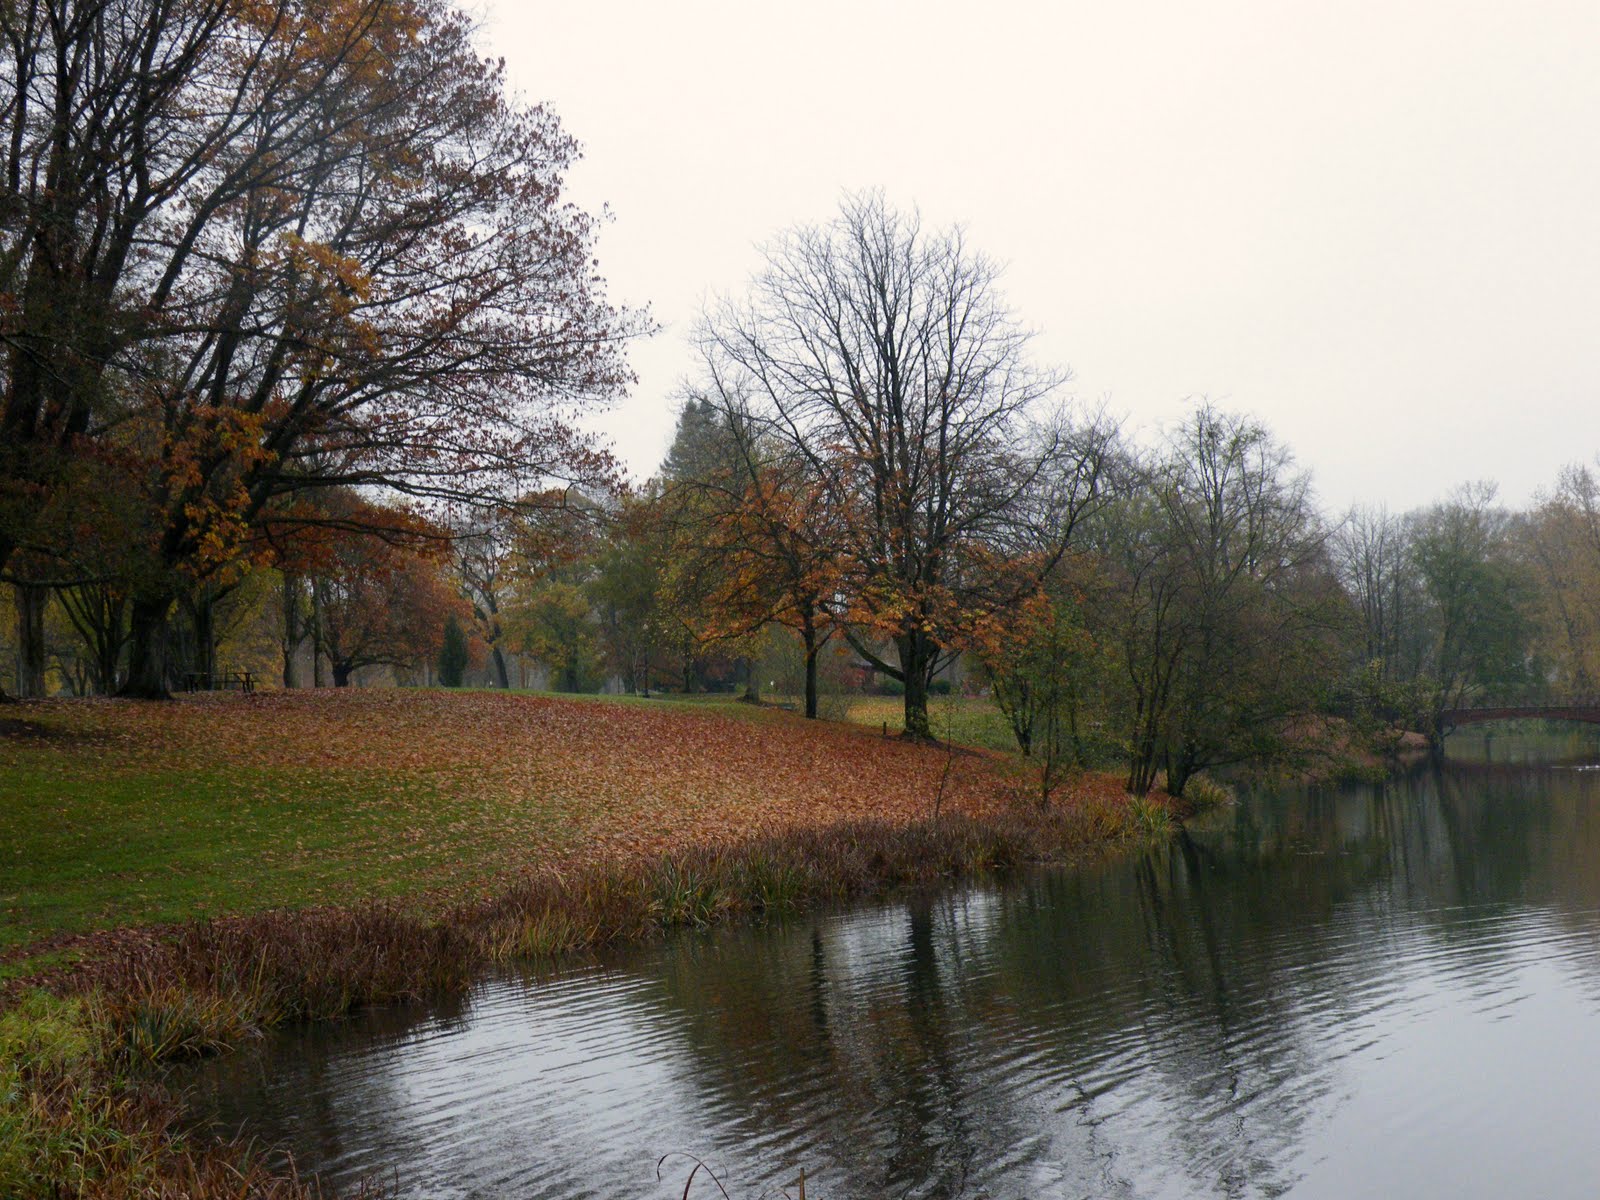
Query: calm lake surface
[(1361, 992)]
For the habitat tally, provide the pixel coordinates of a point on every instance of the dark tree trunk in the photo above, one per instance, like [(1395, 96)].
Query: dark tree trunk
[(341, 672), (147, 656), (917, 653), (292, 632), (316, 635), (752, 681), (108, 650), (1145, 765), (1142, 759), (31, 601), (500, 672), (808, 635), (1179, 772)]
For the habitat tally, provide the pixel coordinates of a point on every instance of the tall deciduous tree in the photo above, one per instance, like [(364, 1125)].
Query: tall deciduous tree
[(1478, 597), (555, 625), (750, 522), (381, 607), (1228, 600), (1045, 669), (883, 354), (625, 589), (102, 132), (483, 550), (382, 603), (1372, 553), (1561, 544)]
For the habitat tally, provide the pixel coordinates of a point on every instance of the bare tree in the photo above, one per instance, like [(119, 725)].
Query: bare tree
[(883, 354), (482, 549), (1371, 550)]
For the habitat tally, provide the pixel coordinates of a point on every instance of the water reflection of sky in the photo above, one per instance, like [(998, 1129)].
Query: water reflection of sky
[(1388, 991)]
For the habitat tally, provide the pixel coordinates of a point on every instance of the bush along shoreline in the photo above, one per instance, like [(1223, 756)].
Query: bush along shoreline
[(82, 1109)]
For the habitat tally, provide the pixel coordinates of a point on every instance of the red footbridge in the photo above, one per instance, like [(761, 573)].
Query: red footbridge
[(1566, 708)]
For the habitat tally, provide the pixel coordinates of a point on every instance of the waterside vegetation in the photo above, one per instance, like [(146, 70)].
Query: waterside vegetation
[(82, 1111)]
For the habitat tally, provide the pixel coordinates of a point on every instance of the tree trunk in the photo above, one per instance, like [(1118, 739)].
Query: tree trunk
[(1142, 760), (292, 632), (147, 656), (316, 635), (107, 650), (1145, 767), (8, 544), (500, 670), (31, 601), (917, 652), (341, 672), (1050, 757), (917, 724), (808, 634), (752, 682), (1179, 772)]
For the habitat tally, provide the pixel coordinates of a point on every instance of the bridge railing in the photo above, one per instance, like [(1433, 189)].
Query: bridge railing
[(1527, 700)]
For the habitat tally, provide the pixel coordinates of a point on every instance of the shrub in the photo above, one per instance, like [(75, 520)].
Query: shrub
[(1151, 817), (1203, 792)]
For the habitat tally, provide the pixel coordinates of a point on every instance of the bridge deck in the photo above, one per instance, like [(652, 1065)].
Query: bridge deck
[(1586, 710)]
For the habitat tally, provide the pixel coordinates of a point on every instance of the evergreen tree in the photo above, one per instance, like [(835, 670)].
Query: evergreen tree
[(453, 654)]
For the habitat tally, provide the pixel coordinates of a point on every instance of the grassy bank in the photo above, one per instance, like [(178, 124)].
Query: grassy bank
[(555, 829), (222, 805)]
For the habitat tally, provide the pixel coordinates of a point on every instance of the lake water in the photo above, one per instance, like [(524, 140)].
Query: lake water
[(1357, 992)]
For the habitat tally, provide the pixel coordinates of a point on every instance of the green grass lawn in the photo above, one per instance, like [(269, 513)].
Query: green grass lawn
[(85, 849), (119, 814), (965, 720)]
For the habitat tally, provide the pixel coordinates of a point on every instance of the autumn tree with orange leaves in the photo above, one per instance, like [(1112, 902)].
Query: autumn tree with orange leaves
[(1049, 672), (761, 533), (261, 248), (366, 584), (382, 605)]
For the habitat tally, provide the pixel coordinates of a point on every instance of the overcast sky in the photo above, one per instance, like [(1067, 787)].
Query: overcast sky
[(1374, 225)]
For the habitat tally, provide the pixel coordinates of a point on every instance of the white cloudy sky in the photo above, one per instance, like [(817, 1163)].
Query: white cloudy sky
[(1374, 225)]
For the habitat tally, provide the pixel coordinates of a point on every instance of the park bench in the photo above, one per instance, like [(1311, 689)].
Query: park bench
[(220, 681)]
